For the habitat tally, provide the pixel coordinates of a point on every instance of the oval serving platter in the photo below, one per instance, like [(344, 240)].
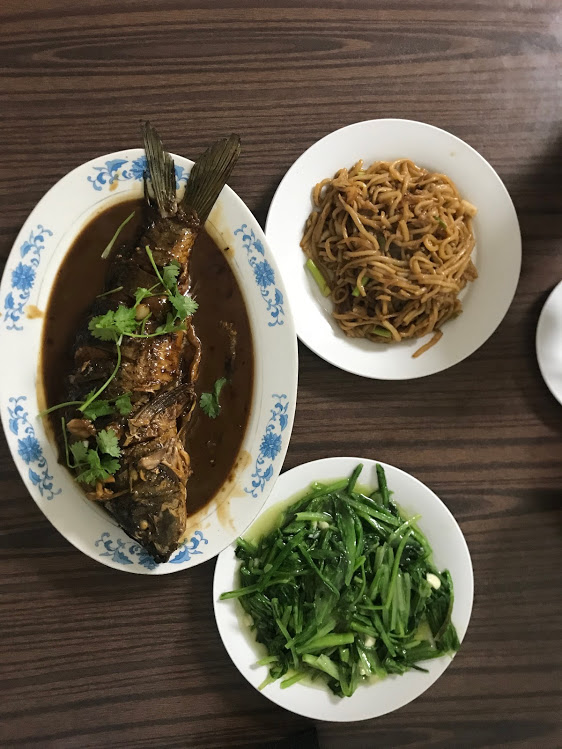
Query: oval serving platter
[(28, 278)]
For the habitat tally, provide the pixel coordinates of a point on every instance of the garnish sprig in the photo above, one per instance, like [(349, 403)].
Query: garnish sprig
[(209, 402), (97, 463)]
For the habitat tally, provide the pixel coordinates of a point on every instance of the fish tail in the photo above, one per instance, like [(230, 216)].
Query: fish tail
[(209, 175), (162, 172)]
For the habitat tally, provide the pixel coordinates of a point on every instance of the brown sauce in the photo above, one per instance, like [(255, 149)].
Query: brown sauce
[(213, 444)]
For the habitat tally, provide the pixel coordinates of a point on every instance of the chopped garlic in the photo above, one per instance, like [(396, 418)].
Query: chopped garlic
[(322, 524), (142, 311), (369, 641), (433, 580)]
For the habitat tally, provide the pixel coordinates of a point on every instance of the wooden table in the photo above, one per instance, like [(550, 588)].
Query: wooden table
[(92, 657)]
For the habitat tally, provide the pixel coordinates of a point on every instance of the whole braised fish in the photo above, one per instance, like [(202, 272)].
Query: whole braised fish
[(139, 351)]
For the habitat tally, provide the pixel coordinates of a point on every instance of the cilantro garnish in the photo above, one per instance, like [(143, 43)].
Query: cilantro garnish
[(108, 443), (79, 452), (114, 324), (141, 293), (97, 468), (102, 407), (123, 404), (99, 463), (168, 327), (97, 408), (209, 402), (184, 306), (170, 275)]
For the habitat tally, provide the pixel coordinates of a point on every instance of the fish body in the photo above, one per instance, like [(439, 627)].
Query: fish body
[(147, 494)]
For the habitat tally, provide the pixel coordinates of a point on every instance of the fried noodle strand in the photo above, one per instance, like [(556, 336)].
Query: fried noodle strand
[(394, 243)]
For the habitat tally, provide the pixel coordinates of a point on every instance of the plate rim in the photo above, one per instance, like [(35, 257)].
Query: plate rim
[(224, 560), (310, 344), (557, 395)]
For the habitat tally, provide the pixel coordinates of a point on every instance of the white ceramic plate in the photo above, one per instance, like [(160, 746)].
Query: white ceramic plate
[(497, 254), (30, 271), (549, 342), (369, 701)]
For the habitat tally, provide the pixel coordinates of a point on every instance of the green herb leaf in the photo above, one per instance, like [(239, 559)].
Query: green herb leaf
[(170, 274), (209, 402), (110, 465), (97, 408), (142, 293), (79, 451), (108, 442), (218, 386), (103, 327), (98, 468), (94, 471), (125, 320), (209, 405), (123, 404), (168, 327), (185, 306), (101, 407), (113, 324)]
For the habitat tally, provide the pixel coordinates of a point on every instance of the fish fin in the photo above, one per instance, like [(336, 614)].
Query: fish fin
[(162, 172), (145, 188), (209, 175), (180, 396)]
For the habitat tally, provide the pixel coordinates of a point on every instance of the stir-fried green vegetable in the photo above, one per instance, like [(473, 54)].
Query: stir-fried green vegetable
[(344, 589), (316, 274)]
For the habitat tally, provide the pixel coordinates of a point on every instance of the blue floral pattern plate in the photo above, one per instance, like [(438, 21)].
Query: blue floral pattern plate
[(24, 293)]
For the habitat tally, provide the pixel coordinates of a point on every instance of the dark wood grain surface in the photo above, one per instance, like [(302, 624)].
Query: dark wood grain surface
[(91, 657)]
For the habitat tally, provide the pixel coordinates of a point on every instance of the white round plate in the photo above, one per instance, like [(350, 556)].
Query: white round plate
[(28, 278), (549, 342), (497, 254), (369, 701)]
